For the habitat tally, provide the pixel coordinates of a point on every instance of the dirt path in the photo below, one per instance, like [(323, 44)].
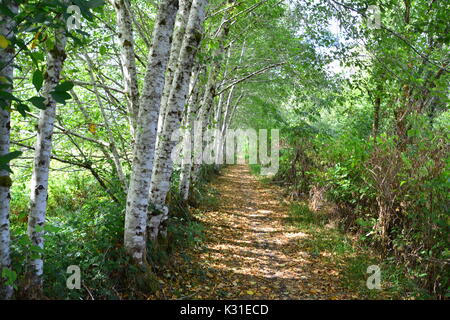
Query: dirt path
[(250, 251)]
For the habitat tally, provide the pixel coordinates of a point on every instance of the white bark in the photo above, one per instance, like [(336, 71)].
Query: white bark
[(162, 172), (188, 124), (43, 148), (126, 40), (232, 113), (211, 85), (210, 91), (223, 119), (251, 75), (208, 96), (137, 199), (177, 40), (6, 72), (218, 117)]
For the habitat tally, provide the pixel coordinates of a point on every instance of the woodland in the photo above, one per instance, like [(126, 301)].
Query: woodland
[(93, 205)]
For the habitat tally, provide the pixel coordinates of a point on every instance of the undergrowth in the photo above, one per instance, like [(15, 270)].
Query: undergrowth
[(351, 256), (85, 229)]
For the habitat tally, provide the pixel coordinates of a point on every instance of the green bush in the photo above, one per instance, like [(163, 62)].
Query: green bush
[(392, 191), (82, 229)]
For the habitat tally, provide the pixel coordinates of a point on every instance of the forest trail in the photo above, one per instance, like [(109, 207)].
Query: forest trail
[(250, 251)]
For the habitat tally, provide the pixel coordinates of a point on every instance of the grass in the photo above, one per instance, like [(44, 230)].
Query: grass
[(351, 257), (255, 169)]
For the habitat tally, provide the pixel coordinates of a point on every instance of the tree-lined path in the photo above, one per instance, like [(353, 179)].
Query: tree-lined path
[(114, 113), (250, 251)]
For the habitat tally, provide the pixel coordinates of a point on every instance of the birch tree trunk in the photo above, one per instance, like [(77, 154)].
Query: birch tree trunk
[(210, 90), (6, 72), (177, 40), (162, 172), (137, 198), (43, 148), (218, 116), (186, 162), (126, 39), (221, 125)]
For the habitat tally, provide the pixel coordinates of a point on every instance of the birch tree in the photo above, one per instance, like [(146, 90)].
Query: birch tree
[(163, 165), (178, 34), (211, 85), (188, 124), (223, 115), (137, 199), (126, 40), (207, 100), (43, 150), (7, 25)]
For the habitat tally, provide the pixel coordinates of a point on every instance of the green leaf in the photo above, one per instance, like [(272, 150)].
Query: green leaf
[(64, 87), (35, 248), (50, 44), (7, 158), (10, 156), (94, 3), (103, 50), (50, 228), (9, 275), (37, 57), (4, 95), (22, 109), (61, 96), (38, 102), (4, 43), (6, 11), (38, 79)]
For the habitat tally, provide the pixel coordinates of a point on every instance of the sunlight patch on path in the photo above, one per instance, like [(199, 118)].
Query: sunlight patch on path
[(250, 252)]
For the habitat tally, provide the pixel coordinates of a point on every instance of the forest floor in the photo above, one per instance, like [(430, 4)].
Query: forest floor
[(250, 250)]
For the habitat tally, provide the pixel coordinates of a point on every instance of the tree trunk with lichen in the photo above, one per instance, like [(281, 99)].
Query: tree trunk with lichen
[(188, 124), (126, 40), (43, 149), (216, 60), (6, 74), (207, 103), (163, 165), (178, 34), (137, 198)]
